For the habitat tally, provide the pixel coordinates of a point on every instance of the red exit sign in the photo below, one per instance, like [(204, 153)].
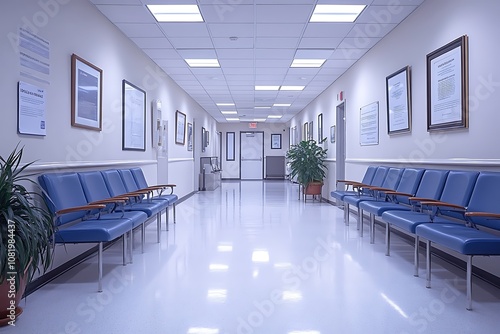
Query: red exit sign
[(252, 125)]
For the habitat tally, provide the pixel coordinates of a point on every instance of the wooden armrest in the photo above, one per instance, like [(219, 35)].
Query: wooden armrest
[(421, 199), (483, 214), (377, 188), (136, 193), (398, 193), (110, 200), (438, 203), (348, 181), (81, 208)]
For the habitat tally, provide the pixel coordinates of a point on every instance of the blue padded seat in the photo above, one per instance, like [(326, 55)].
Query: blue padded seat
[(367, 179), (141, 182), (410, 180), (469, 239), (96, 191), (456, 190), (377, 181), (391, 182), (64, 191), (116, 187)]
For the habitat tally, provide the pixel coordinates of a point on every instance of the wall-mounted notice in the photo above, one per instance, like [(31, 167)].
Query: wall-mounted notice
[(368, 124), (34, 56), (31, 110)]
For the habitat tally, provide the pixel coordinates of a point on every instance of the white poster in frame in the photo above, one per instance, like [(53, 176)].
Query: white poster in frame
[(368, 124)]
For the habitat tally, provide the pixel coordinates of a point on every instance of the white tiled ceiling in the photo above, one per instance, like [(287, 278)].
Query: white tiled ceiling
[(270, 34)]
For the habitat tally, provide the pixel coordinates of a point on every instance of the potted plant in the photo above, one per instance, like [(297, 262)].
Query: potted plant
[(307, 162), (26, 231)]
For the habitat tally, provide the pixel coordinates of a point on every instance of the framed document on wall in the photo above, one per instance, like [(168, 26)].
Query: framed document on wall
[(448, 86), (134, 117), (398, 95)]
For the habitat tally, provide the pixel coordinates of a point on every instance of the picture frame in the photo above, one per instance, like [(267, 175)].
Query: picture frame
[(133, 117), (332, 134), (369, 124), (311, 131), (189, 136), (448, 86), (320, 128), (203, 139), (276, 141), (86, 94), (305, 132), (230, 138), (398, 97), (180, 127)]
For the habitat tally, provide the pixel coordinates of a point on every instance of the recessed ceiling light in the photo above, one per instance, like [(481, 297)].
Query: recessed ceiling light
[(307, 62), (282, 104), (176, 13), (225, 104), (227, 112), (274, 116), (262, 107), (232, 119), (292, 87), (336, 13), (203, 62), (267, 87), (259, 119)]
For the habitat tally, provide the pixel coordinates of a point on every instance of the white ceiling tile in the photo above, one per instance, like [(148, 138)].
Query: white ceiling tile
[(240, 77), (348, 53), (265, 64), (152, 42), (276, 43), (235, 54), (283, 14), (319, 43), (231, 29), (279, 30), (385, 14), (274, 53), (238, 70), (313, 53), (342, 63), (237, 63), (127, 13), (161, 53), (358, 43), (330, 30), (226, 43), (363, 30), (116, 2), (140, 29), (184, 29), (197, 53), (227, 13), (192, 43)]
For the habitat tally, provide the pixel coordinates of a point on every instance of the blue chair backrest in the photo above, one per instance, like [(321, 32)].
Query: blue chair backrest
[(139, 177), (114, 182), (128, 180), (370, 172), (457, 190), (484, 198), (62, 191), (393, 177), (410, 179), (432, 183), (379, 177), (94, 186)]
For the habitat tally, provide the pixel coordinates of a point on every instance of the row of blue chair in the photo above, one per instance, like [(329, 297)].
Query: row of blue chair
[(459, 210), (101, 206)]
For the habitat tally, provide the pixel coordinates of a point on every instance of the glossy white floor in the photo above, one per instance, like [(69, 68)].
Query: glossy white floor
[(250, 257)]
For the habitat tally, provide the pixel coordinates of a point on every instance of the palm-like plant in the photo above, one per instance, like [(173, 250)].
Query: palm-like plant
[(307, 162), (25, 228)]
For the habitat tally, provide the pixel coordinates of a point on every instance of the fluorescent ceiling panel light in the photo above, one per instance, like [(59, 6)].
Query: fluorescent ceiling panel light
[(260, 256), (267, 87), (203, 62), (202, 330), (218, 267), (262, 107), (176, 13), (259, 119), (308, 62), (225, 104), (292, 87), (274, 116), (282, 104), (232, 119), (229, 112), (225, 248), (336, 13)]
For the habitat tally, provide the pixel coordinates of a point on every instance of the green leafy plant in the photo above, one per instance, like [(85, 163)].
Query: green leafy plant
[(26, 229), (307, 162)]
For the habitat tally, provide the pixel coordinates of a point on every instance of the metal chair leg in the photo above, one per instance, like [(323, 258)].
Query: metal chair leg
[(387, 239), (416, 256), (469, 283), (428, 264), (99, 266)]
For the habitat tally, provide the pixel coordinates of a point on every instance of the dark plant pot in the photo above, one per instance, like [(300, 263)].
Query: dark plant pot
[(9, 313)]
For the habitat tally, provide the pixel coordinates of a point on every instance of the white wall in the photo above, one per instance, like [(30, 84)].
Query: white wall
[(432, 25), (75, 26), (231, 169)]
